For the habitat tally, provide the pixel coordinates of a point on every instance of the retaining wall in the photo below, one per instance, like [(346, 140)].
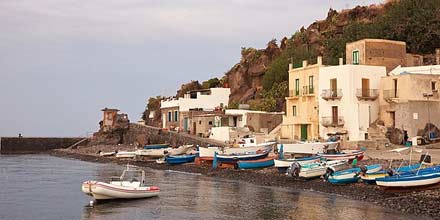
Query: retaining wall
[(11, 145)]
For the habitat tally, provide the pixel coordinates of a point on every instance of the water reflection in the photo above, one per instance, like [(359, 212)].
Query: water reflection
[(44, 187)]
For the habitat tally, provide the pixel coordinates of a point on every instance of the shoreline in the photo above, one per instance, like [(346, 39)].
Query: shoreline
[(422, 203)]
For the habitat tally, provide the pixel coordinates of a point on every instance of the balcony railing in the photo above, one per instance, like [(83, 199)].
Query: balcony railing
[(367, 94), (331, 94), (294, 93), (389, 94), (330, 121), (308, 90)]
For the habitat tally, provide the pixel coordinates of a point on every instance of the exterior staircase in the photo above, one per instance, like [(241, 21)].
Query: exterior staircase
[(377, 136)]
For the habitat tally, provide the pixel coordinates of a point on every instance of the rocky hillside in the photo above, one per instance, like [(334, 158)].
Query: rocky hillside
[(259, 71)]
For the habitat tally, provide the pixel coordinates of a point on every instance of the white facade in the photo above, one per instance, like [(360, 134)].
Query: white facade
[(207, 100), (349, 99)]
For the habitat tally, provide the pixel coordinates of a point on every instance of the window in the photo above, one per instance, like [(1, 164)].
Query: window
[(210, 122), (294, 110), (169, 116), (356, 57), (176, 115), (296, 87), (311, 85), (433, 86)]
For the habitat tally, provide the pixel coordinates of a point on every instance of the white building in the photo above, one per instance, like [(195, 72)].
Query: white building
[(349, 100), (173, 110)]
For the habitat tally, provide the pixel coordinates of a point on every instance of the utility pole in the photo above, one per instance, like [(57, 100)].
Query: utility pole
[(427, 96)]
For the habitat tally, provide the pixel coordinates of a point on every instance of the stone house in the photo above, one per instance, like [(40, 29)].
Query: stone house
[(112, 120), (409, 98)]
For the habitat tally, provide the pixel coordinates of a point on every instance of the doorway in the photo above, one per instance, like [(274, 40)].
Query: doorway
[(365, 87), (333, 87), (393, 119), (335, 115), (395, 88), (304, 135)]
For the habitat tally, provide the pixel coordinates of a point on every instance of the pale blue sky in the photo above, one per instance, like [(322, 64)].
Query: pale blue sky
[(61, 61)]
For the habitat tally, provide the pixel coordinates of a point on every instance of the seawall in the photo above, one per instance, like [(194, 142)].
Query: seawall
[(20, 145)]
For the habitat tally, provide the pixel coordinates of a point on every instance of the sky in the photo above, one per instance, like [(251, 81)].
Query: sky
[(62, 61)]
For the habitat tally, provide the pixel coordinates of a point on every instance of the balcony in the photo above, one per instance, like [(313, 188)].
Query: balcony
[(367, 94), (330, 121), (294, 94), (390, 94), (331, 94), (308, 91)]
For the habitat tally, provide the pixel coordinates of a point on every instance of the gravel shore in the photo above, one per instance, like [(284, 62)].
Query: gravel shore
[(425, 202)]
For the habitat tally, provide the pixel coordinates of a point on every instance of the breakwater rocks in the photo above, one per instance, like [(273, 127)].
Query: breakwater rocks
[(423, 202), (16, 145)]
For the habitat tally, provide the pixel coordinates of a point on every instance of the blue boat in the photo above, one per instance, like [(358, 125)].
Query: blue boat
[(173, 160), (370, 178), (351, 175), (232, 158), (156, 146), (415, 178), (255, 164)]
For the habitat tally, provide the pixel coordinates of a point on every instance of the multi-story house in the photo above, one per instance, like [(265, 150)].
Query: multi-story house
[(176, 112), (381, 52), (348, 102), (409, 98), (301, 119)]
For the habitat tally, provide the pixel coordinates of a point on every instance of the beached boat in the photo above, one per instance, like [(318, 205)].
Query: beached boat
[(313, 170), (255, 164), (174, 160), (416, 178), (283, 164), (252, 142), (352, 175), (126, 154), (156, 146), (209, 151), (161, 152), (344, 155), (130, 185), (308, 148), (107, 154), (242, 156), (370, 178)]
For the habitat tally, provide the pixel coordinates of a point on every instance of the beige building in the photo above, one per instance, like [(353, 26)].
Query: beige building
[(380, 52), (409, 98), (301, 120), (113, 120)]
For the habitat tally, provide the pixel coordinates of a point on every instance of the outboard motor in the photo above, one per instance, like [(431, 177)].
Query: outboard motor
[(425, 158), (329, 172), (363, 171), (391, 172), (294, 169)]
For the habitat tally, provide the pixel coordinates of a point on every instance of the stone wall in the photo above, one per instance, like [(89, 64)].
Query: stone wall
[(10, 145), (141, 135)]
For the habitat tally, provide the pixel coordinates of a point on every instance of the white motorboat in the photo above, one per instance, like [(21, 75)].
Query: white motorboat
[(285, 163), (209, 151), (308, 147), (313, 170), (125, 154), (107, 154), (130, 185), (158, 153)]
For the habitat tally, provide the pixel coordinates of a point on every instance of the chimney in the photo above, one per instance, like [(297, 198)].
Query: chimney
[(341, 61), (304, 63), (290, 66), (319, 60), (437, 56)]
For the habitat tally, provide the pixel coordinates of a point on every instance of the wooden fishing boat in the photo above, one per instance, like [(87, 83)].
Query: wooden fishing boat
[(416, 178), (130, 185), (126, 154), (344, 155), (307, 148), (283, 164), (243, 156), (209, 151), (352, 175), (174, 160), (313, 170), (156, 146), (161, 152), (370, 178), (255, 164)]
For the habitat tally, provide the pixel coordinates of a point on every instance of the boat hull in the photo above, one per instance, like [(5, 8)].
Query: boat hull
[(235, 158), (209, 151), (255, 164), (416, 180), (350, 175), (307, 148), (319, 170), (180, 159), (105, 191), (347, 155)]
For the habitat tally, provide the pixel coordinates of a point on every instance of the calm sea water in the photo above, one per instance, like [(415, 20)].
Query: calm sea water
[(45, 187)]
